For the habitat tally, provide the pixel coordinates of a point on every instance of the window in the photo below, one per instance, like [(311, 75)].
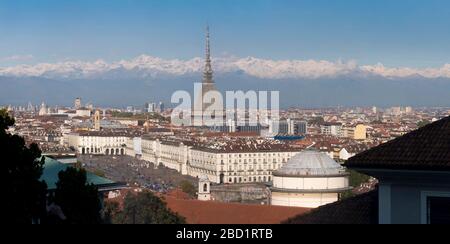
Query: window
[(205, 187), (438, 210), (435, 207)]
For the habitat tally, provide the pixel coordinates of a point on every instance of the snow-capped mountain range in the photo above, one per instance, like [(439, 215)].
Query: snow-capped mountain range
[(146, 66), (300, 83)]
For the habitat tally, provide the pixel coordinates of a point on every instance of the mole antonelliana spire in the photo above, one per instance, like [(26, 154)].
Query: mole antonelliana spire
[(207, 83), (208, 72)]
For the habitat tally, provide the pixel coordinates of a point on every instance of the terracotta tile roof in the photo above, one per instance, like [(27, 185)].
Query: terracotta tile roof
[(232, 134), (245, 146), (158, 130), (332, 124), (110, 133), (361, 209), (210, 212), (178, 194), (427, 148)]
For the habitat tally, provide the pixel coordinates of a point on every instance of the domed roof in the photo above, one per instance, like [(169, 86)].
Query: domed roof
[(310, 163)]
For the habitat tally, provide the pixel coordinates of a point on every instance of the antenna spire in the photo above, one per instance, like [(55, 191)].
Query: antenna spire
[(208, 72)]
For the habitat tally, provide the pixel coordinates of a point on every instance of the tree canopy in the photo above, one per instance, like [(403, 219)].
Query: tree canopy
[(20, 172), (423, 123), (356, 179), (188, 188), (78, 200), (146, 208)]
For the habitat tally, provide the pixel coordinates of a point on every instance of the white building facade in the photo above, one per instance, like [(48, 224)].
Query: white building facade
[(219, 165), (97, 143), (333, 129)]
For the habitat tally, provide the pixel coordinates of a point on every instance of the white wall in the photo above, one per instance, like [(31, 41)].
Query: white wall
[(310, 183), (303, 200), (402, 194), (406, 204)]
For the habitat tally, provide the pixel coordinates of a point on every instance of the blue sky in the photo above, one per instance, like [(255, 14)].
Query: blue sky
[(413, 33)]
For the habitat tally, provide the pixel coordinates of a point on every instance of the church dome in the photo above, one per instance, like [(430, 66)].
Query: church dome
[(310, 163)]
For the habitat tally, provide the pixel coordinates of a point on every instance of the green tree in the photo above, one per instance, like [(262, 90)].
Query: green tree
[(423, 123), (355, 180), (24, 194), (146, 208), (78, 200), (110, 211), (188, 188)]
